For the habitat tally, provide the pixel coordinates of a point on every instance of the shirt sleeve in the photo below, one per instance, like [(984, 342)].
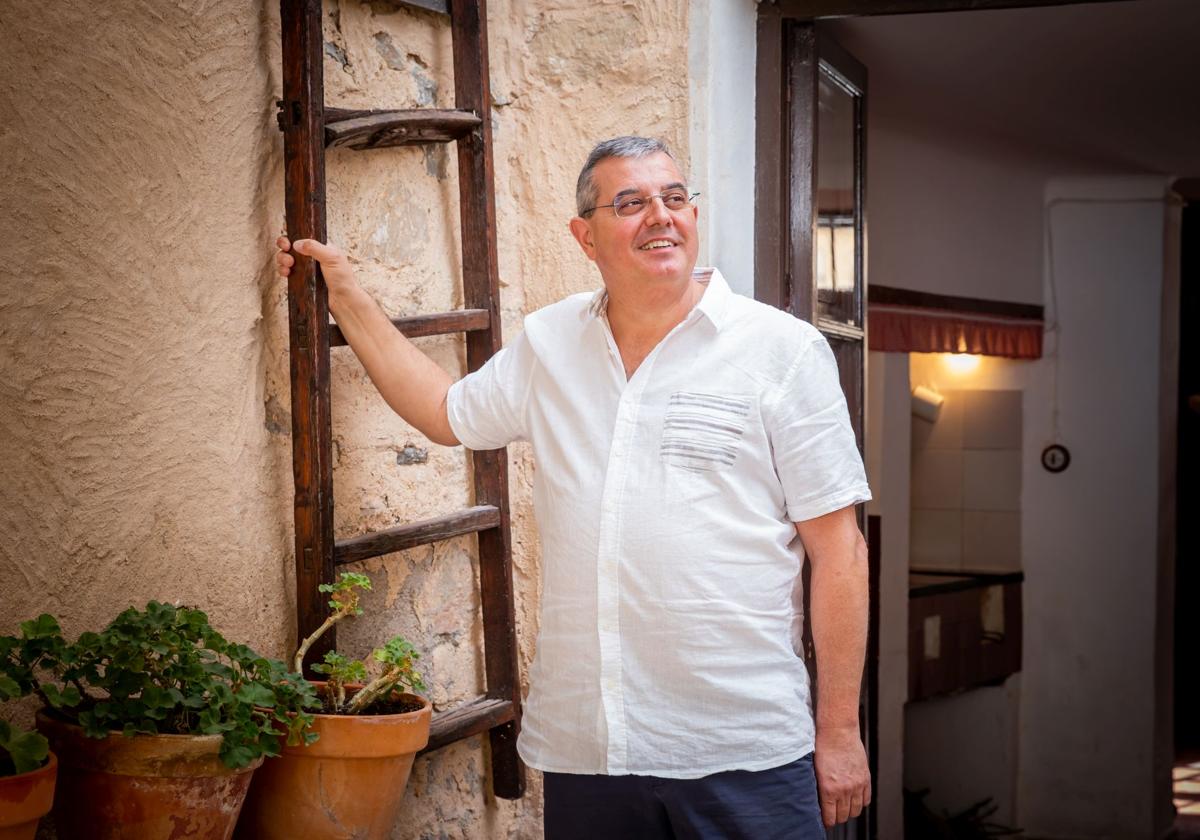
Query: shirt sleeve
[(812, 441), (487, 408)]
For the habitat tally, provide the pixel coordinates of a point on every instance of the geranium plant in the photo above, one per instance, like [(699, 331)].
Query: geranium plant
[(21, 751), (394, 663), (164, 670)]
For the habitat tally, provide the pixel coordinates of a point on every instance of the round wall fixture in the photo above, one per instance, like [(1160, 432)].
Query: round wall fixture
[(1056, 458)]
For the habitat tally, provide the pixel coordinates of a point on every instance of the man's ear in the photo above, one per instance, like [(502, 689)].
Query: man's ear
[(581, 229)]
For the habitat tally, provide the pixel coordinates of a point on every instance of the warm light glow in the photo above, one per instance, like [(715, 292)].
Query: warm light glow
[(960, 364)]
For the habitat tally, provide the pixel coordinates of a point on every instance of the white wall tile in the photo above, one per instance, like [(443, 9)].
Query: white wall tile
[(947, 432), (991, 419), (992, 479), (991, 540), (937, 479), (936, 538)]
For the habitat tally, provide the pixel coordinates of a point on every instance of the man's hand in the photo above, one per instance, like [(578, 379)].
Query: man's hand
[(838, 606), (843, 779), (335, 265), (409, 381)]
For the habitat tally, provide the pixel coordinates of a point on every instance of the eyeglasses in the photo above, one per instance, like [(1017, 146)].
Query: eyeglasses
[(673, 200)]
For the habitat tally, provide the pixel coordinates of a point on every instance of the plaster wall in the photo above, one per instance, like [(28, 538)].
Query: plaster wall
[(143, 354)]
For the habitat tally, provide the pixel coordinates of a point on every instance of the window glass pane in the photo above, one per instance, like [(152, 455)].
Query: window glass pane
[(837, 245)]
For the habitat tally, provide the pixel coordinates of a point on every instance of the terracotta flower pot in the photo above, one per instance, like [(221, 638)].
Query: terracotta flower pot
[(25, 799), (348, 784), (144, 787)]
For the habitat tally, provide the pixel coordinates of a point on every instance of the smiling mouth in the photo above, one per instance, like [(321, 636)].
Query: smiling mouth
[(656, 244)]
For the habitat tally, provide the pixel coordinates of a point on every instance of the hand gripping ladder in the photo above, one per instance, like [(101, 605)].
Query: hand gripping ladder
[(308, 129)]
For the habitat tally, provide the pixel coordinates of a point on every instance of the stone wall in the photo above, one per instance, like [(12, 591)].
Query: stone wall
[(145, 426)]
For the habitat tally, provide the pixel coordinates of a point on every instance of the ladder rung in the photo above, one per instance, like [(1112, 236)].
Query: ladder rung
[(442, 7), (469, 521), (379, 129), (469, 719), (442, 323)]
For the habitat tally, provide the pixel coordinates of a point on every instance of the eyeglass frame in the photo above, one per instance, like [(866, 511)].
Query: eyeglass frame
[(647, 198)]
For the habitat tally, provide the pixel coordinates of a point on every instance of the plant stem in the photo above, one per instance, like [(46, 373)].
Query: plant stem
[(298, 662), (379, 687)]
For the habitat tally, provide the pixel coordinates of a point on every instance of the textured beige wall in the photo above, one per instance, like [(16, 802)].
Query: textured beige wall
[(145, 432)]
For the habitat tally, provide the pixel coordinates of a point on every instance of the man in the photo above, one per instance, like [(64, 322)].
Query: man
[(690, 444)]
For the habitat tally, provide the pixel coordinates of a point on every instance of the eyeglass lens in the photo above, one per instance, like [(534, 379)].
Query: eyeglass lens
[(673, 200)]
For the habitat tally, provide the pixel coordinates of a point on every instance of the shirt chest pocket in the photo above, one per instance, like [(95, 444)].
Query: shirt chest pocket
[(703, 432)]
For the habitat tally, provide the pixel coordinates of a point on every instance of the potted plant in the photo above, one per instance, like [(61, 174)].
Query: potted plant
[(158, 721), (27, 773), (350, 781)]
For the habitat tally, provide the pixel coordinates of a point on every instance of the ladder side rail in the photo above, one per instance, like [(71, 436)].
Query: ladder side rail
[(303, 122), (481, 283)]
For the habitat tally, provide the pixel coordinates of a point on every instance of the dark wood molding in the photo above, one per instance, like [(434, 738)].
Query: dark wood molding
[(892, 296), (871, 675), (770, 169), (812, 9), (800, 213)]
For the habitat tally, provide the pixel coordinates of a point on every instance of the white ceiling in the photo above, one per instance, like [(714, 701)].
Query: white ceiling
[(1113, 85)]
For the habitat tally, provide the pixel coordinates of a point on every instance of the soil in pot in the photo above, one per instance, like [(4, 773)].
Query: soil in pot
[(25, 799), (348, 784), (144, 787)]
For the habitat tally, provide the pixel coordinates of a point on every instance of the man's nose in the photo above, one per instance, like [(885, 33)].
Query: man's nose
[(657, 212)]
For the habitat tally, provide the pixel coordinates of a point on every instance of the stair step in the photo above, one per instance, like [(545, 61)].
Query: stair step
[(472, 718), (469, 521), (441, 323), (377, 129)]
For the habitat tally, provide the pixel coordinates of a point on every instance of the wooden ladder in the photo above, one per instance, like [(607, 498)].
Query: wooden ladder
[(308, 129)]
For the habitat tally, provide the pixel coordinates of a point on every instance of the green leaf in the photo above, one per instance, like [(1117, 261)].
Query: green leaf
[(256, 695), (9, 688), (26, 751), (236, 755), (44, 626)]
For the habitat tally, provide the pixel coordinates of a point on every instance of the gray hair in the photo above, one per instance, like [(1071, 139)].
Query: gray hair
[(586, 191)]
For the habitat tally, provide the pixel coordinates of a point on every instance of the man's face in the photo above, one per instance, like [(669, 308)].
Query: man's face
[(655, 244)]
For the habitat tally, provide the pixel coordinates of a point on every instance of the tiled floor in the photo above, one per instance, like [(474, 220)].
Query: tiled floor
[(1187, 799)]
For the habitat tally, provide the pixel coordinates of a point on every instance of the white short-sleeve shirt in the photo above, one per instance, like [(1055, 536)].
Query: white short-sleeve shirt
[(670, 600)]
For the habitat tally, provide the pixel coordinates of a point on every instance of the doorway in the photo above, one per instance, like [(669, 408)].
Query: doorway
[(986, 195)]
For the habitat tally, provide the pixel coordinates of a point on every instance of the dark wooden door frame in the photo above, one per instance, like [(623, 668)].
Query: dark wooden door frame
[(772, 176)]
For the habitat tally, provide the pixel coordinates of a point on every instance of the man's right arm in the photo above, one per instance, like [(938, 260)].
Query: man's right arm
[(409, 381)]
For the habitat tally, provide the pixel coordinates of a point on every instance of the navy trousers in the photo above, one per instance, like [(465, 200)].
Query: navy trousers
[(776, 804)]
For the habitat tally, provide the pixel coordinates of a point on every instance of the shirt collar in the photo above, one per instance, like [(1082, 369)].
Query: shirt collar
[(713, 303)]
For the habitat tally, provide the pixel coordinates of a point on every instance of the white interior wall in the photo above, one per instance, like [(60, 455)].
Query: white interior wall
[(1090, 542), (962, 771), (951, 213), (721, 126)]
